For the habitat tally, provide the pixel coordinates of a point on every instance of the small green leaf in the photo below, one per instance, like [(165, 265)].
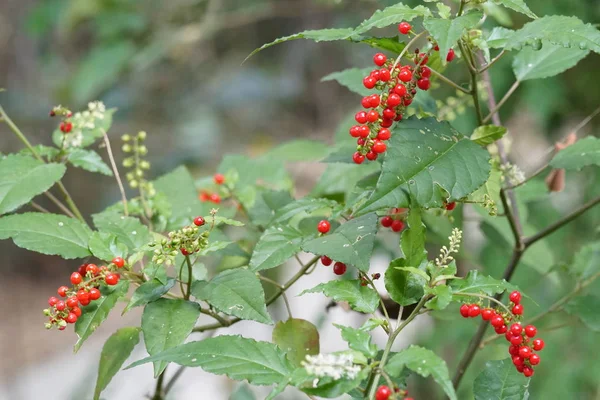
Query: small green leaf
[(260, 363), (392, 44), (424, 362), (235, 292), (106, 246), (404, 287), (115, 351), (446, 32), (500, 381), (352, 79), (487, 134), (415, 271), (298, 338), (475, 283), (360, 298), (276, 245), (226, 221), (359, 340), (412, 240), (392, 15), (586, 309), (22, 178), (443, 10), (304, 205), (581, 154), (586, 262), (443, 297), (372, 323), (166, 323), (518, 6), (298, 150), (47, 234), (148, 292), (89, 160), (548, 61), (128, 230), (499, 37)]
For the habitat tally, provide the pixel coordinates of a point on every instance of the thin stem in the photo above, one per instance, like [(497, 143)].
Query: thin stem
[(511, 220), (158, 391), (39, 208), (482, 296), (405, 49), (449, 81), (473, 72), (492, 62), (174, 379), (189, 281), (586, 120), (116, 172), (59, 204), (502, 101), (529, 178), (276, 284), (19, 134), (461, 8)]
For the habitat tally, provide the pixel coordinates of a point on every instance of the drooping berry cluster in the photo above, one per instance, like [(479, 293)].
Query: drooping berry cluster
[(384, 393), (394, 220), (187, 240), (86, 282), (521, 339)]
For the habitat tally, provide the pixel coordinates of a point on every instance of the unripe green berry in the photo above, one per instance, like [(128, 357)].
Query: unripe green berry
[(142, 135), (143, 150), (126, 138), (133, 183), (126, 148)]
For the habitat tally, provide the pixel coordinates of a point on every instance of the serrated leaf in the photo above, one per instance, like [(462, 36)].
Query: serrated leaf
[(128, 230), (392, 15), (424, 362), (148, 292), (261, 363), (443, 297), (235, 292), (106, 246), (500, 381), (226, 221), (166, 323), (352, 79), (412, 241), (305, 205), (95, 313), (581, 154), (446, 32), (359, 340), (518, 6), (392, 44), (487, 134), (266, 204), (443, 10), (299, 150), (586, 308), (115, 351), (548, 61), (276, 245), (22, 178), (426, 158), (586, 262), (499, 37), (298, 338), (88, 160), (47, 234), (404, 287), (360, 298), (352, 243), (476, 283)]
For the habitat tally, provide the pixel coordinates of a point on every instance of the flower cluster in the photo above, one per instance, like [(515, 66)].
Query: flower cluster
[(187, 240), (445, 257), (135, 146), (74, 125), (336, 366)]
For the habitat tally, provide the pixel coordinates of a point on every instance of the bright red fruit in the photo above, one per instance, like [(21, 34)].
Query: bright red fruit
[(52, 301), (384, 134), (71, 318), (111, 279), (66, 127), (62, 291), (75, 278), (361, 117), (77, 311), (339, 268), (497, 321), (379, 59), (384, 75), (219, 179), (198, 221), (372, 116), (515, 297), (92, 269), (404, 28), (474, 310), (72, 302), (383, 392), (464, 310), (215, 198), (394, 100), (530, 330), (324, 226), (389, 113), (326, 261), (372, 156), (424, 83), (501, 329), (525, 352), (358, 158), (487, 314), (516, 329), (385, 222), (538, 344), (369, 82), (518, 309), (405, 75), (528, 371), (450, 206), (379, 147), (534, 359), (400, 90), (60, 305), (450, 55), (95, 294), (425, 71), (397, 225)]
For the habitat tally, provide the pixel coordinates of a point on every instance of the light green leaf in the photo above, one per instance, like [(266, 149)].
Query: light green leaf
[(548, 61), (475, 283), (443, 10), (47, 234), (425, 159), (88, 160), (148, 292), (443, 297), (299, 150), (392, 44), (499, 37), (22, 178), (424, 362), (412, 241), (351, 243), (360, 298), (106, 246), (166, 323), (261, 363), (500, 381), (305, 205), (235, 292), (243, 393), (392, 15), (128, 230), (298, 338), (276, 245), (586, 262), (586, 309), (581, 154), (226, 221), (446, 32), (404, 287), (115, 351), (518, 6), (415, 271), (352, 79), (487, 134), (359, 340)]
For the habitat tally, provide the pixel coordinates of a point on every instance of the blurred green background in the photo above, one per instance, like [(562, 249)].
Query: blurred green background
[(174, 68)]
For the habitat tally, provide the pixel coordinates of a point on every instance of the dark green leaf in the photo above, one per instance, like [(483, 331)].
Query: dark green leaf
[(446, 32), (581, 154), (106, 246), (518, 6), (352, 79), (148, 292), (500, 381), (298, 338), (359, 340), (586, 308), (413, 239), (404, 287), (360, 298), (487, 134), (276, 245), (548, 61), (88, 160), (392, 15), (128, 230)]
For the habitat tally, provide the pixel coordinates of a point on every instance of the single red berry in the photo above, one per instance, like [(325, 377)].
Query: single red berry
[(389, 113), (364, 131), (515, 297), (374, 100), (436, 47), (516, 340), (450, 206), (538, 344), (405, 75), (534, 359), (62, 328), (75, 278), (358, 158), (407, 101), (372, 116), (92, 269), (326, 261), (384, 75), (450, 55), (528, 371), (369, 82), (52, 301), (219, 179), (421, 59), (404, 28), (517, 361), (425, 71), (82, 269), (361, 117), (516, 329), (62, 291), (379, 147), (508, 335), (384, 134), (513, 350), (518, 309), (95, 294), (111, 279), (397, 225), (71, 318), (77, 311), (60, 305), (530, 330), (355, 131), (184, 252), (204, 197), (198, 221), (520, 368), (375, 74), (424, 83), (400, 90), (366, 102), (339, 268), (360, 141), (83, 297), (501, 329), (379, 59), (215, 198), (464, 310), (66, 127), (497, 321), (474, 310), (386, 123), (372, 156), (385, 222), (383, 393), (393, 100), (72, 301), (487, 314), (525, 352), (324, 226)]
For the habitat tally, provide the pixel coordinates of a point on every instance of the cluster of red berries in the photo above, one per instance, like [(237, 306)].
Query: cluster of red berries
[(339, 268), (364, 282), (384, 392), (394, 220), (83, 292), (66, 126), (398, 85), (213, 197), (198, 221), (450, 206), (522, 344)]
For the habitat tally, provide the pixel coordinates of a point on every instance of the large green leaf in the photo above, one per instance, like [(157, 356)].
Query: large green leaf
[(235, 292), (359, 340), (360, 298), (476, 283), (166, 323), (115, 351), (412, 240), (498, 37), (581, 154), (298, 338), (425, 159), (518, 6), (351, 243), (586, 262), (446, 32), (261, 363), (548, 61), (265, 205), (22, 178), (148, 292), (95, 313), (106, 246), (352, 79), (500, 381), (128, 230), (392, 15), (276, 245), (586, 308), (424, 362), (89, 160), (403, 286), (47, 234)]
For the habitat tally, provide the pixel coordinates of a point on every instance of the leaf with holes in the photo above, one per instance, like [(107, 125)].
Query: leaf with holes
[(581, 154), (298, 338), (446, 32), (500, 381), (360, 298)]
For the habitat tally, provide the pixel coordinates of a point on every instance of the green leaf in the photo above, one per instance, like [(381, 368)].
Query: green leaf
[(518, 6), (261, 363), (243, 393), (415, 271), (548, 61), (235, 292), (128, 230), (352, 79), (581, 154), (148, 292), (425, 159), (500, 381), (475, 283), (404, 287), (179, 188), (446, 32), (299, 150), (359, 340), (95, 313), (392, 15), (88, 160), (392, 44), (298, 338), (305, 205), (342, 178), (360, 298), (443, 297), (166, 323), (115, 351), (226, 221), (586, 262), (47, 234), (276, 245), (332, 388), (487, 134), (586, 309), (351, 243), (106, 246), (252, 172), (266, 203), (424, 362), (413, 239), (499, 37), (22, 178), (44, 151)]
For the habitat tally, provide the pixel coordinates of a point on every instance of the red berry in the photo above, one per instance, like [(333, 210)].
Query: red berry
[(358, 158), (355, 131), (436, 47), (487, 314), (450, 55), (534, 359), (184, 252), (374, 100), (83, 297), (518, 309), (527, 371), (62, 291), (386, 123), (82, 269), (405, 75), (450, 206), (474, 310), (424, 83), (360, 142), (400, 90), (385, 222), (425, 71), (375, 74), (397, 225), (516, 340), (404, 28), (379, 147), (72, 302), (372, 116), (324, 226), (379, 59), (369, 82), (92, 269), (111, 279), (497, 321), (515, 297), (516, 329), (464, 310), (219, 179), (530, 330), (372, 156), (71, 318), (198, 221), (384, 134), (215, 198), (62, 328), (384, 75), (66, 127), (389, 113), (204, 197), (501, 329), (52, 301), (407, 100), (398, 117), (95, 294), (513, 350), (383, 393), (525, 352), (393, 100), (364, 131), (326, 261), (60, 305), (339, 268), (421, 59), (361, 117), (366, 102), (75, 278), (77, 311), (538, 344)]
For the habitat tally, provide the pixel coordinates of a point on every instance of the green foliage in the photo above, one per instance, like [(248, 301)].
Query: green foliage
[(476, 283), (351, 78), (487, 134), (586, 309), (392, 15), (149, 292), (128, 230), (106, 246), (516, 5), (446, 32), (276, 245), (88, 160), (581, 154), (298, 338), (548, 61), (360, 298), (500, 381), (359, 340)]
